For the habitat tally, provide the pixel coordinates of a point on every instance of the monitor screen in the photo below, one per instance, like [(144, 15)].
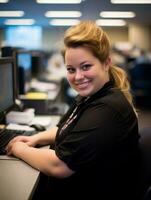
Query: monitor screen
[(7, 97), (23, 62)]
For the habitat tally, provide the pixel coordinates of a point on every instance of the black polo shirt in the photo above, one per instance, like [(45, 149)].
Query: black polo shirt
[(98, 139)]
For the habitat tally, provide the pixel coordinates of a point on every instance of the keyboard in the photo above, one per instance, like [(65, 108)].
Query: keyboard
[(7, 134)]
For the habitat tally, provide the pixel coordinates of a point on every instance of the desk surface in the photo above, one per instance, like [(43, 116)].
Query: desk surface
[(18, 180)]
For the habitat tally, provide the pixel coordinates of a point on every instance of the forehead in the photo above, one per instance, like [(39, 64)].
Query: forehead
[(78, 54)]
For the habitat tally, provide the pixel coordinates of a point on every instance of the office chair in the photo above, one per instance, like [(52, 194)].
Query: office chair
[(140, 79), (145, 146)]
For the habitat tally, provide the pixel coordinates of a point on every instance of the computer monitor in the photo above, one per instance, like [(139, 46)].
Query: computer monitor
[(24, 62), (8, 51), (7, 85), (38, 64)]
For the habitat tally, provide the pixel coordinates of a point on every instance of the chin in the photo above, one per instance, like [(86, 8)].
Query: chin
[(84, 93)]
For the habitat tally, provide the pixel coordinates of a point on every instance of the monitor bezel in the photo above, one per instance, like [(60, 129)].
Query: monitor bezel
[(10, 60), (15, 55)]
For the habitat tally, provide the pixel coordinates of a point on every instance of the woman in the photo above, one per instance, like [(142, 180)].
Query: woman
[(96, 150)]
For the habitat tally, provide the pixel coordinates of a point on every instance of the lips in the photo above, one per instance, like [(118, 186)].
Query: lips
[(83, 85)]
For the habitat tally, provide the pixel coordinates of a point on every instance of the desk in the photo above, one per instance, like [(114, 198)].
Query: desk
[(51, 87), (42, 95), (18, 180)]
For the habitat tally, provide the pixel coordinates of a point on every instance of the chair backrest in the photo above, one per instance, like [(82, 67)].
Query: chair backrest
[(140, 76), (141, 71), (145, 146)]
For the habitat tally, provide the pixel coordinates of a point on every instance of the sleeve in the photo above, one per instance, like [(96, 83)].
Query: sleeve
[(94, 132)]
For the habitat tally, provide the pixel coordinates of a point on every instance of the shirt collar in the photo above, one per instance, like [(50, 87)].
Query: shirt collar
[(110, 84)]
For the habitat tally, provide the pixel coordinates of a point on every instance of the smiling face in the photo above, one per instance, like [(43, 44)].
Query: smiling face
[(85, 73)]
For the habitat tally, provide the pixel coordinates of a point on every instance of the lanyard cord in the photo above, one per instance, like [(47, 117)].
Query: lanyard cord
[(69, 120), (71, 117)]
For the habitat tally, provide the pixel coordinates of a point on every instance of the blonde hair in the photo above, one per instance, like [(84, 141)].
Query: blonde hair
[(88, 34)]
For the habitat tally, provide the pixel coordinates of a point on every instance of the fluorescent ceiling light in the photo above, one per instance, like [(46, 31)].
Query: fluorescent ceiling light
[(110, 22), (4, 1), (19, 22), (131, 1), (64, 22), (13, 13), (117, 14), (59, 1), (64, 14)]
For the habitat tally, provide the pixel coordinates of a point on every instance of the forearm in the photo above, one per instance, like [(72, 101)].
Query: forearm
[(36, 157), (46, 137), (44, 160)]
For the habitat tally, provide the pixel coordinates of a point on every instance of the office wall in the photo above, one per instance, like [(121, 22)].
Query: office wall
[(140, 35), (117, 34), (53, 37)]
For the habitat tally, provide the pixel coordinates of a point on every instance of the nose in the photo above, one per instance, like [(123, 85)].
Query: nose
[(79, 75)]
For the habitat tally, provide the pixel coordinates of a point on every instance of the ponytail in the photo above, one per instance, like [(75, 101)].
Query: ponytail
[(122, 83)]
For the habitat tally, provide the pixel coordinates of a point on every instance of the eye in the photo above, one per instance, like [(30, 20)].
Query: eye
[(70, 70), (86, 67)]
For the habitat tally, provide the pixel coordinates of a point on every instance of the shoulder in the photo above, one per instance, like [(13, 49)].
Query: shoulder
[(112, 106), (112, 98), (115, 101)]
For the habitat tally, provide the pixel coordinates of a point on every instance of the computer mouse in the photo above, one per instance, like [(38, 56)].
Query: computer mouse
[(38, 127)]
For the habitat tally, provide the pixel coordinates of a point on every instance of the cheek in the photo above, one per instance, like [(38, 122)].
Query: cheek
[(70, 78), (92, 74)]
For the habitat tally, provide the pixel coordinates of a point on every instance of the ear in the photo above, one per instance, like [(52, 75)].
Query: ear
[(107, 63)]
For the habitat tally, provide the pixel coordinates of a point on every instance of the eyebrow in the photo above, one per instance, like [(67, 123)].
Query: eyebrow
[(69, 66), (84, 62)]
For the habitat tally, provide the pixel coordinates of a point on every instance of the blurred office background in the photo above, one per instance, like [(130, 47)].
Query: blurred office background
[(38, 26)]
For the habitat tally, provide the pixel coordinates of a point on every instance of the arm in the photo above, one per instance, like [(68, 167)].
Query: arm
[(45, 137), (44, 160)]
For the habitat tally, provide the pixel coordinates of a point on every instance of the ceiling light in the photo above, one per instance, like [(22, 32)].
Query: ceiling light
[(4, 1), (64, 14), (19, 22), (117, 14), (59, 1), (131, 1), (13, 13), (64, 22), (110, 22)]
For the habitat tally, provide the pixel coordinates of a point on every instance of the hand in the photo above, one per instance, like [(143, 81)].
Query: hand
[(28, 140), (15, 148)]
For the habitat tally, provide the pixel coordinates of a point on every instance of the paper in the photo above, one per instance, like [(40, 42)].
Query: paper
[(19, 127), (42, 120), (36, 95)]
